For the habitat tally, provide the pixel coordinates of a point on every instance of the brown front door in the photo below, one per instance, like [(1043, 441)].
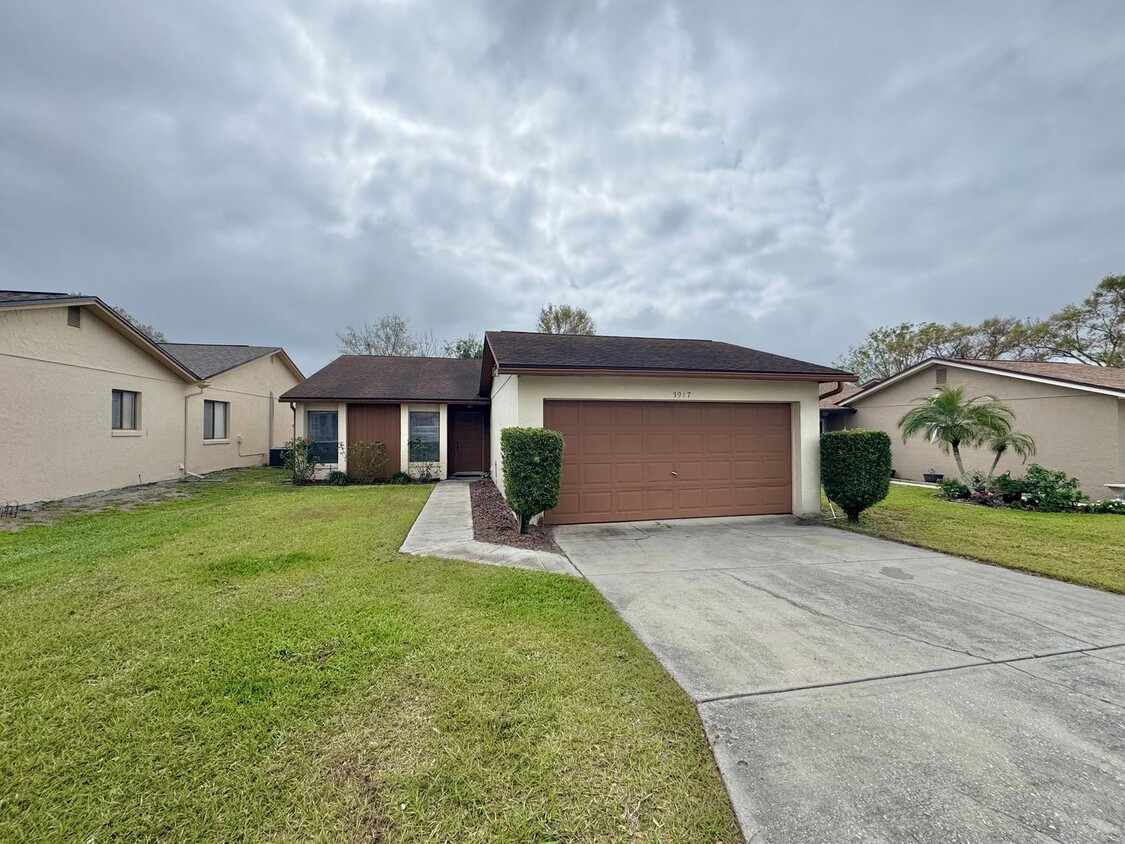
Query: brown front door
[(628, 461), (467, 437), (377, 423)]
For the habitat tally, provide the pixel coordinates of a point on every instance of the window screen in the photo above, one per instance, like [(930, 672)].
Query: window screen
[(323, 429), (215, 416), (124, 414)]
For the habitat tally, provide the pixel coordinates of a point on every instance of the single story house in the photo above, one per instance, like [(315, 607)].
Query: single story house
[(1075, 413), (90, 403), (653, 428)]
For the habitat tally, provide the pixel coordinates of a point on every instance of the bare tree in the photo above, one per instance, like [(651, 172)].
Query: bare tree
[(467, 347), (389, 336), (152, 332), (565, 319)]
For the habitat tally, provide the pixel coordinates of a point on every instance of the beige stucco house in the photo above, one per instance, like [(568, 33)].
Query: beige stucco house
[(653, 428), (89, 403), (1075, 412)]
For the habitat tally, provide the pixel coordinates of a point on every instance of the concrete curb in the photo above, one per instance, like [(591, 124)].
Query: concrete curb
[(444, 528)]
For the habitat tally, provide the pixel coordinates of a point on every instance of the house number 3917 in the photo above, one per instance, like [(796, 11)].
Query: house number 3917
[(681, 394)]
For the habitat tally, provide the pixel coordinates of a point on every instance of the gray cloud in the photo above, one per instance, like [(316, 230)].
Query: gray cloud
[(785, 177)]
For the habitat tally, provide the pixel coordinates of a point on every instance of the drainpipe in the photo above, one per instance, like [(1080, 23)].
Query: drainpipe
[(833, 392), (293, 407), (187, 398)]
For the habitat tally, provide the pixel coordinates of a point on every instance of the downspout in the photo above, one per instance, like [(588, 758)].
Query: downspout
[(183, 466), (835, 392), (293, 407)]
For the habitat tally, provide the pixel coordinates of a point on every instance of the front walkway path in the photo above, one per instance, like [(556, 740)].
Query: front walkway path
[(444, 528)]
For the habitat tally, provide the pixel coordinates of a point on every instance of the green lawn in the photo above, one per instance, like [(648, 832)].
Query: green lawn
[(1076, 547), (260, 664)]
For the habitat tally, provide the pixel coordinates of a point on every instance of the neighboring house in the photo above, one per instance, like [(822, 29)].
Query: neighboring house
[(89, 403), (1075, 412), (653, 428)]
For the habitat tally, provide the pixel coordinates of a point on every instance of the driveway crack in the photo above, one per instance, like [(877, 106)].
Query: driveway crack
[(1070, 688), (855, 624)]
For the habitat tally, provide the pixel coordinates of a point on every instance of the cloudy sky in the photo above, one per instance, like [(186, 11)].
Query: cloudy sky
[(781, 175)]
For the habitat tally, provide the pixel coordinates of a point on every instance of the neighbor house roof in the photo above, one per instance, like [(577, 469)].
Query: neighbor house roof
[(837, 391), (1107, 380), (376, 378), (208, 360), (529, 352), (27, 299)]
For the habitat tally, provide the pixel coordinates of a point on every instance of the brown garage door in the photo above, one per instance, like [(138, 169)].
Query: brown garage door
[(625, 461), (377, 423)]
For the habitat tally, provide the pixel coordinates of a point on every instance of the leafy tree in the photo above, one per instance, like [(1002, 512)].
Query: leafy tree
[(565, 319), (950, 420), (1017, 442), (1092, 332), (154, 334), (466, 348), (389, 336)]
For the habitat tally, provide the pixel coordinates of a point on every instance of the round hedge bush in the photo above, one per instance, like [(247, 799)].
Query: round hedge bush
[(855, 468)]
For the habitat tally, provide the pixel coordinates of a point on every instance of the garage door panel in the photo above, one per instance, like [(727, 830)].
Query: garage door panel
[(729, 459)]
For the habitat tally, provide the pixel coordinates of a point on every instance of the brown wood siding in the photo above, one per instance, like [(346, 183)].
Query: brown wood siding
[(378, 423), (627, 461)]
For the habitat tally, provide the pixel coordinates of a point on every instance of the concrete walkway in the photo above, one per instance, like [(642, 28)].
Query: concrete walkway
[(444, 528), (860, 690)]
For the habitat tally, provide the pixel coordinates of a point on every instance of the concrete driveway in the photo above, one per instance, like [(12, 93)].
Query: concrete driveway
[(860, 690)]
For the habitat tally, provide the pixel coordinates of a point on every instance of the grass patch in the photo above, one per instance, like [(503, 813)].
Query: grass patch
[(1076, 547), (260, 664)]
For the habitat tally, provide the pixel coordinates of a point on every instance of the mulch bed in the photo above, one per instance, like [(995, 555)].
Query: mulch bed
[(494, 521)]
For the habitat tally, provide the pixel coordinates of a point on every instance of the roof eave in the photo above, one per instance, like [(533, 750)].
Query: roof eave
[(818, 377)]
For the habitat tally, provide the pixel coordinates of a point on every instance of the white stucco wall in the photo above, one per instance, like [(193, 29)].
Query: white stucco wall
[(56, 384), (519, 401), (255, 416), (341, 409)]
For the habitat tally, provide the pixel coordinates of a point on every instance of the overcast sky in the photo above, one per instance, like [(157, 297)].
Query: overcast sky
[(784, 175)]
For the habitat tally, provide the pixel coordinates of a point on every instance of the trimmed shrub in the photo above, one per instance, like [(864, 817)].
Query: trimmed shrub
[(1051, 492), (1009, 489), (532, 470), (336, 478), (855, 468), (366, 461), (953, 489)]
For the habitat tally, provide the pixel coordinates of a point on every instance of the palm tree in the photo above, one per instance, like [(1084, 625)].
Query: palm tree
[(1016, 442), (951, 420)]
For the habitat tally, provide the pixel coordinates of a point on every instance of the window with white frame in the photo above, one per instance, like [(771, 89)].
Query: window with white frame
[(125, 415), (425, 436), (216, 419)]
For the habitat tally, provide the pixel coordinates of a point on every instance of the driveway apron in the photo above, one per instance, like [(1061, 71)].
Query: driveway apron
[(855, 689)]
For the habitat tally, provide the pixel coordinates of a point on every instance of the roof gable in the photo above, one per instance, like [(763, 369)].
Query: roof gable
[(1076, 376)]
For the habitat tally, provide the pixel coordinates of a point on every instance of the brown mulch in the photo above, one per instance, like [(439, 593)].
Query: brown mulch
[(494, 521)]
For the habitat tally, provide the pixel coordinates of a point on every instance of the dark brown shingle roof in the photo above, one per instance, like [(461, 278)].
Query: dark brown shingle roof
[(1111, 377), (833, 400), (375, 378), (207, 360), (516, 350), (17, 297)]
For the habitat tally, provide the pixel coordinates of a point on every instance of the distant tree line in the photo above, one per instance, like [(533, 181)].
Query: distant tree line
[(1090, 332), (390, 335)]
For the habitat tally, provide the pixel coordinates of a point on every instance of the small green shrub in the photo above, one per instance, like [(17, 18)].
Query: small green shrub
[(855, 468), (301, 460), (1009, 489), (399, 478), (1051, 492), (532, 470), (336, 478), (1113, 506), (953, 489), (366, 461)]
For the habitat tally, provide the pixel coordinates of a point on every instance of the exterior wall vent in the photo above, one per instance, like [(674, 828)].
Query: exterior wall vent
[(941, 373), (74, 316)]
